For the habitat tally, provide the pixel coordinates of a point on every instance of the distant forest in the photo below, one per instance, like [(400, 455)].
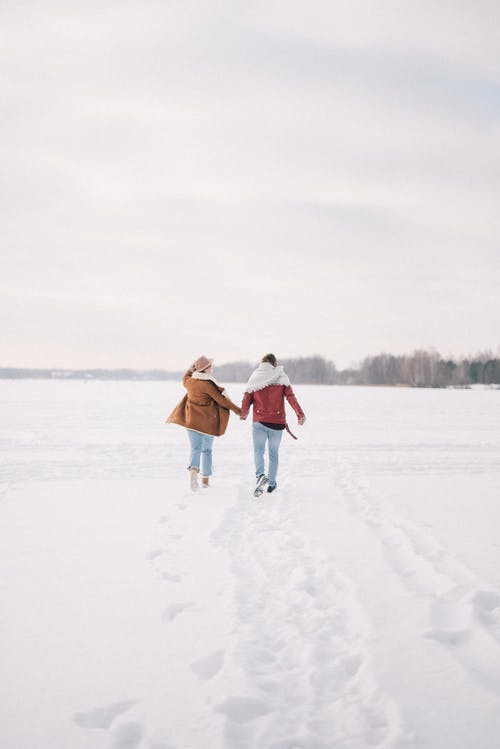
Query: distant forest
[(419, 369)]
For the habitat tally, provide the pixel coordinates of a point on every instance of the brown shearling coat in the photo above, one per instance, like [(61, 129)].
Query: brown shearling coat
[(203, 408)]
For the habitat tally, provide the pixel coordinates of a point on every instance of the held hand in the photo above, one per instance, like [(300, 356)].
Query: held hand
[(243, 417), (301, 420)]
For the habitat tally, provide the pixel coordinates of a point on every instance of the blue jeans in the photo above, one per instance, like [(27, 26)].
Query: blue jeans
[(201, 447), (261, 435)]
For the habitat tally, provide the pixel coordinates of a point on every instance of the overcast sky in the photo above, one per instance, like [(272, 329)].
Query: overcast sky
[(232, 178)]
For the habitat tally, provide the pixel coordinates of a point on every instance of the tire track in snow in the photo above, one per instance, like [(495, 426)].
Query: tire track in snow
[(302, 641), (464, 612)]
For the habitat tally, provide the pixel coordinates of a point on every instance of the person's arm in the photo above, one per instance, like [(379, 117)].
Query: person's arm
[(290, 396), (245, 406), (222, 400), (187, 376)]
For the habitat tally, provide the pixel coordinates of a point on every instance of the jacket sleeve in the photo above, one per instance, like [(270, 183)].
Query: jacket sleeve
[(223, 401), (187, 376), (290, 396), (247, 402)]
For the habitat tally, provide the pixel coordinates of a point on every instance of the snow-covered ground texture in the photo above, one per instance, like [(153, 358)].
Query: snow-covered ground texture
[(357, 607)]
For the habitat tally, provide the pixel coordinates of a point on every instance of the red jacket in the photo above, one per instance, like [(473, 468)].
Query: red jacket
[(269, 404)]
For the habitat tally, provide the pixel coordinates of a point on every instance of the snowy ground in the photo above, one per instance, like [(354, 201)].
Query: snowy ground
[(357, 607)]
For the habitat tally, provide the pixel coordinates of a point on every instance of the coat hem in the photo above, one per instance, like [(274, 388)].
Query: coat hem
[(207, 434)]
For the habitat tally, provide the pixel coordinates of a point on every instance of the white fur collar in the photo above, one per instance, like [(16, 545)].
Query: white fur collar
[(265, 375), (204, 376)]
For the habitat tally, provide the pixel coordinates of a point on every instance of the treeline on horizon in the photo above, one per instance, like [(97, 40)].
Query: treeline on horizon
[(418, 369), (23, 373)]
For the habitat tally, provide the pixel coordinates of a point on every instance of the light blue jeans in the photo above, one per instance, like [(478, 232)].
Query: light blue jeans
[(261, 435), (201, 448)]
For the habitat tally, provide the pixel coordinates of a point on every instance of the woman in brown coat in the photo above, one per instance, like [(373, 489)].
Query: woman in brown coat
[(204, 411)]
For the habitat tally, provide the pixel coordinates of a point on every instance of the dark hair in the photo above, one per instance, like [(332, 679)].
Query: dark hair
[(270, 358)]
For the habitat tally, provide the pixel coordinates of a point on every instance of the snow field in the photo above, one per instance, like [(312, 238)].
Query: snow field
[(358, 606)]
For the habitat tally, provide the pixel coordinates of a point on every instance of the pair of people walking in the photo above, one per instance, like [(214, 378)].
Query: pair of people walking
[(204, 412)]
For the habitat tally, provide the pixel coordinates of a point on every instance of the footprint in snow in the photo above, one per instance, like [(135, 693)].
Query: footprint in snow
[(172, 611), (242, 709), (207, 667), (468, 625), (297, 743), (171, 577), (450, 637), (102, 717), (155, 554), (127, 736), (486, 604)]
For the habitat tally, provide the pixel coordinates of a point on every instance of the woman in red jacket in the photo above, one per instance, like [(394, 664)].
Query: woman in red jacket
[(267, 389)]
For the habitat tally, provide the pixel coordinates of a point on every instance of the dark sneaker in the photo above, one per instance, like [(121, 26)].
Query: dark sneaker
[(271, 488), (259, 487)]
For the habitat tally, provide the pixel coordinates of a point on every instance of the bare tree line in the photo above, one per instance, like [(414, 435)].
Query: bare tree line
[(429, 369), (418, 369)]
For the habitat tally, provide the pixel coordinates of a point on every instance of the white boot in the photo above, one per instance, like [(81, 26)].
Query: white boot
[(194, 479), (204, 482)]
